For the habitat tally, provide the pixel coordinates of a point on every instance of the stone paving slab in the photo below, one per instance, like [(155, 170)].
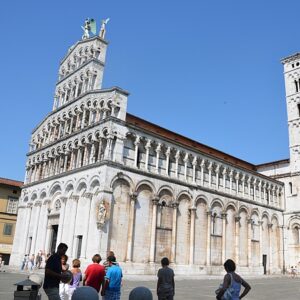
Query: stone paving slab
[(201, 288)]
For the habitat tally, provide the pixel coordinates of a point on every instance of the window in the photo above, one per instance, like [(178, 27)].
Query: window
[(79, 245), (12, 205), (296, 86), (291, 188), (7, 229), (298, 105)]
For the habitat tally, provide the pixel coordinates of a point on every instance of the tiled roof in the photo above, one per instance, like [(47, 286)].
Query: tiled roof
[(11, 182), (177, 138)]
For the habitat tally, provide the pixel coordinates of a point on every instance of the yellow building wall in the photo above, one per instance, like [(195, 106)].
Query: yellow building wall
[(6, 241)]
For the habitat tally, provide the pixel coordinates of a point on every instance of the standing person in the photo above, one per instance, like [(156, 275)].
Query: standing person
[(53, 273), (233, 280), (31, 261), (165, 283), (77, 277), (113, 280), (1, 262), (94, 274), (64, 287), (24, 262), (106, 263)]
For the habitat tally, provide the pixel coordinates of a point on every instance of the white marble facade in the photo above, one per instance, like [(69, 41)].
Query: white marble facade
[(98, 178)]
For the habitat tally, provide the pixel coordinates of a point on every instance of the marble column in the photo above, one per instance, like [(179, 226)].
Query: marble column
[(202, 165), (192, 235), (270, 226), (194, 163), (177, 155), (224, 173), (210, 174), (158, 149), (224, 221), (174, 231), (88, 196), (133, 198), (63, 201), (28, 219), (208, 239), (185, 160), (38, 205), (168, 152), (42, 231), (260, 223), (153, 230), (230, 181), (217, 170), (148, 146), (237, 239), (249, 239), (72, 249)]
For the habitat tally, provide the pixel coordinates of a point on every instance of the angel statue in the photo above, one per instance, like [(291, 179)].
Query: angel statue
[(86, 29), (103, 29)]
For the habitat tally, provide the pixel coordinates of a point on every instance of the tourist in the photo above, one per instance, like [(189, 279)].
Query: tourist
[(106, 263), (165, 283), (31, 262), (94, 274), (294, 271), (113, 280), (140, 293), (24, 262), (38, 260), (53, 273), (77, 277), (233, 281), (64, 287)]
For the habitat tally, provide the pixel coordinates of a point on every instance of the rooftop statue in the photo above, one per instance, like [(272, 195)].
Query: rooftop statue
[(103, 29), (89, 26)]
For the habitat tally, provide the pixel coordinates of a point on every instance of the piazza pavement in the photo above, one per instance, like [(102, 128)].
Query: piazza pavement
[(187, 288)]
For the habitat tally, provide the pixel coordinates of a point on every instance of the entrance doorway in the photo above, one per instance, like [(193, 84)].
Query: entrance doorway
[(264, 263), (54, 238)]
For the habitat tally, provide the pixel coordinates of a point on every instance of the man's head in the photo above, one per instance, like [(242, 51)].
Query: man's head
[(96, 259), (62, 249), (165, 262), (111, 259)]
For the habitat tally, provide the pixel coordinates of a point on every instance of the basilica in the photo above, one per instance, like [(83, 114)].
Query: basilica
[(99, 178)]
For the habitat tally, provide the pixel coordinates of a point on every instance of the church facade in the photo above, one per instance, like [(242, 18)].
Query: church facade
[(99, 178)]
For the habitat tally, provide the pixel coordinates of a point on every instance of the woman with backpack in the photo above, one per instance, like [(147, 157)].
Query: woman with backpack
[(232, 283)]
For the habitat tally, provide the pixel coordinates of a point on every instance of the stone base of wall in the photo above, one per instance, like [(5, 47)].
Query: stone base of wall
[(151, 269)]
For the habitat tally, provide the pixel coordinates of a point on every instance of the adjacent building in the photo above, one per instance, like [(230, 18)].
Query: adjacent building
[(99, 178), (10, 191)]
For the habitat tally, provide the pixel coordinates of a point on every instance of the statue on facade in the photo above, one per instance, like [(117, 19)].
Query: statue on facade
[(103, 29), (89, 26), (86, 29), (101, 215)]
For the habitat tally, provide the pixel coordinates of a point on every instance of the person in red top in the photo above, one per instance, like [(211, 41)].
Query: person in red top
[(94, 274)]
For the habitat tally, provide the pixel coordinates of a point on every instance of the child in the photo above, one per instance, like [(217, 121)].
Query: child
[(77, 277), (165, 282), (64, 287)]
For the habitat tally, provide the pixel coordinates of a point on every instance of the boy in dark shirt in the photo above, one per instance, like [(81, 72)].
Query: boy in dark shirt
[(165, 282), (53, 273)]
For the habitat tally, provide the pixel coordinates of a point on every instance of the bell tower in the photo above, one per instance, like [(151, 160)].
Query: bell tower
[(292, 89), (81, 70)]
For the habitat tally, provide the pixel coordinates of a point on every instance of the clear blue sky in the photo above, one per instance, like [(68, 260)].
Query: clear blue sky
[(209, 70)]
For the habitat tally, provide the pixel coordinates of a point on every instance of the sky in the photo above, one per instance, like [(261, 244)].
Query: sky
[(207, 69)]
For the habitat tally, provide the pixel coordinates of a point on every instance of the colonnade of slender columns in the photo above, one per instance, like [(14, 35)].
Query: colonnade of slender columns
[(219, 176)]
